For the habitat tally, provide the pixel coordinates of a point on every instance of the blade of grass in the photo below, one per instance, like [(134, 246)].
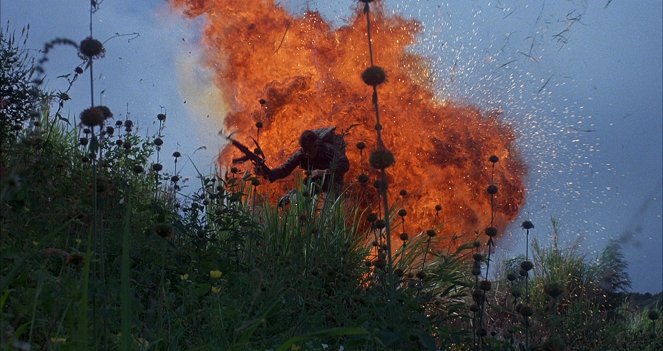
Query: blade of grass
[(82, 335)]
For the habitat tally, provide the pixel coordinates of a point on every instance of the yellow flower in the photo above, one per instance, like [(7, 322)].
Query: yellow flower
[(184, 276), (216, 289), (215, 274)]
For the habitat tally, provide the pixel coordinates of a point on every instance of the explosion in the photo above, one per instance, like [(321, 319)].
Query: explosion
[(289, 74)]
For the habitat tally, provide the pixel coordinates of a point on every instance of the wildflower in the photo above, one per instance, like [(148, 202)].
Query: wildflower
[(92, 117), (184, 276), (157, 167), (527, 265), (381, 158), (91, 48), (491, 231), (373, 75), (528, 225), (216, 289), (215, 274)]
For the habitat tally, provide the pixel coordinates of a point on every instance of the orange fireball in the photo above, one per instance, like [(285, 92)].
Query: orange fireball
[(291, 73)]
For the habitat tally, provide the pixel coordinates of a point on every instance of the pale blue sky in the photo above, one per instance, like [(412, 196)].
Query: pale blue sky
[(592, 136)]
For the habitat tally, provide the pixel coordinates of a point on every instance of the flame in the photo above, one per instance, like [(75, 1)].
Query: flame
[(308, 76)]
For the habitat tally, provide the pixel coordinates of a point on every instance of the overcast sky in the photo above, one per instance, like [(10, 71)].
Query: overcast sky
[(582, 87)]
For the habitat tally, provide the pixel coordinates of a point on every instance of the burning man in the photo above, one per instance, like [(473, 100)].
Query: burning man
[(321, 155)]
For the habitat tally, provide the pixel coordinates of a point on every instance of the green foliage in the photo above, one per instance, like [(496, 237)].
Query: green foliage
[(99, 248)]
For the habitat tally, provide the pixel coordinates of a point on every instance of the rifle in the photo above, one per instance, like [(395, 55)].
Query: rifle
[(258, 162)]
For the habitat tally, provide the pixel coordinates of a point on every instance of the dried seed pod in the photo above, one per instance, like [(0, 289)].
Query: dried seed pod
[(528, 225), (91, 48), (381, 159), (527, 266), (492, 189), (374, 76), (491, 231)]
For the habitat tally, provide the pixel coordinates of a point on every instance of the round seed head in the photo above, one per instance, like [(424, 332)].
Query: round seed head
[(83, 141), (403, 193), (527, 265), (127, 145), (91, 48), (372, 217), (110, 130), (528, 225), (158, 141), (491, 231), (92, 117), (493, 158), (161, 117), (404, 236), (363, 178), (484, 285), (431, 232), (177, 154), (402, 212), (421, 275), (128, 123), (118, 123), (492, 189), (652, 315), (438, 208), (119, 142), (259, 125), (78, 70), (138, 169), (374, 76), (381, 158), (477, 257), (157, 167), (361, 145), (175, 178), (380, 224), (255, 181)]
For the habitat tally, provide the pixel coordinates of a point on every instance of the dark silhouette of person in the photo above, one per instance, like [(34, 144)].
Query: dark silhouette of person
[(321, 155)]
